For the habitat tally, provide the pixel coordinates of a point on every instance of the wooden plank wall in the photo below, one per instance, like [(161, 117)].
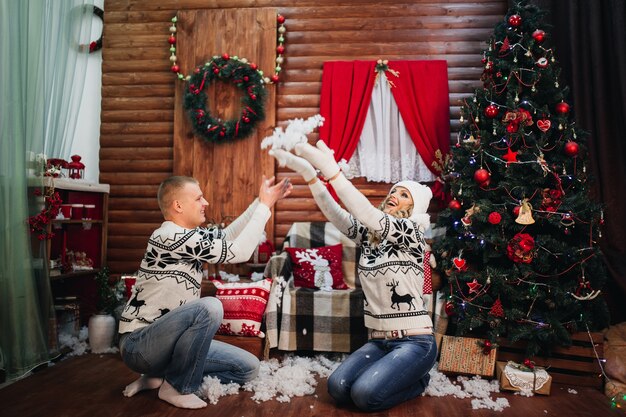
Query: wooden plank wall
[(137, 121)]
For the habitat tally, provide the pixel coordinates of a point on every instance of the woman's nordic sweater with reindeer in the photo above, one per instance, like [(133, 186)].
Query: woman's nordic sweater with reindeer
[(392, 272), (171, 270)]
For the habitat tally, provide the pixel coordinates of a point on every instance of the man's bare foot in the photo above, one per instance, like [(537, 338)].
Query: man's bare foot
[(168, 393), (142, 383)]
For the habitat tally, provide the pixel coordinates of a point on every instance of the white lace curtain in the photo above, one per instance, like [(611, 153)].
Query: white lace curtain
[(385, 152)]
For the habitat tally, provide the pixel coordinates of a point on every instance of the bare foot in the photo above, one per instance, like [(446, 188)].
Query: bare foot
[(168, 393), (142, 383)]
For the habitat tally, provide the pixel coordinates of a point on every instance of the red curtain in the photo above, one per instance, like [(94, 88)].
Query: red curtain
[(344, 101), (420, 90)]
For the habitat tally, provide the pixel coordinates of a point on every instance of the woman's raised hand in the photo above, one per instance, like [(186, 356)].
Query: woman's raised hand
[(295, 163), (321, 157)]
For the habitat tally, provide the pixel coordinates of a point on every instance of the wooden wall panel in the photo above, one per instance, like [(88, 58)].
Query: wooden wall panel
[(139, 92)]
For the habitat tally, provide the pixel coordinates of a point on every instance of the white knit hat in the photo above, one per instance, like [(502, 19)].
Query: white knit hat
[(421, 200)]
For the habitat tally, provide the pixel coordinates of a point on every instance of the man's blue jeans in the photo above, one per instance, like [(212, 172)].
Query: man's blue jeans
[(384, 373), (180, 348)]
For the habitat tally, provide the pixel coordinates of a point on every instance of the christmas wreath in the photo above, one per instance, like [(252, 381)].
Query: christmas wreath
[(97, 44), (244, 76)]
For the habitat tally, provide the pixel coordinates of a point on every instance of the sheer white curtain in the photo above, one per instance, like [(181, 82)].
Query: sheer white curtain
[(385, 152)]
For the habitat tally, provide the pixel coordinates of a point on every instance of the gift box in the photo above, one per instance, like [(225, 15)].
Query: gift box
[(515, 377), (466, 355)]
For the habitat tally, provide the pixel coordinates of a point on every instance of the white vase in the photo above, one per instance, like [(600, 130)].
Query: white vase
[(101, 332)]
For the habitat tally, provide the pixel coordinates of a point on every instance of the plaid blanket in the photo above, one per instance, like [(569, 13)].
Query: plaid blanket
[(308, 319)]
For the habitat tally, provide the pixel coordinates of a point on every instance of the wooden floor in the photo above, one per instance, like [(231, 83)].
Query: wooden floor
[(91, 386)]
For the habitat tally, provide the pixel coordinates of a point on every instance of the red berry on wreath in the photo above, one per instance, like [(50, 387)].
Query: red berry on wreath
[(222, 133), (172, 40), (280, 19), (253, 97), (481, 175), (216, 71), (225, 56), (246, 78), (175, 68), (515, 20), (246, 120), (454, 205), (491, 111), (571, 148), (539, 35), (280, 49), (562, 108), (274, 78)]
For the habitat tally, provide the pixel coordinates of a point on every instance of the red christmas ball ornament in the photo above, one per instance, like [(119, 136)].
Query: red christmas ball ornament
[(539, 35), (512, 127), (216, 70), (253, 66), (280, 49), (454, 205), (246, 78), (485, 184), (491, 111), (516, 210), (252, 96), (172, 40), (571, 148), (175, 68), (450, 309), (494, 217), (274, 78), (481, 175), (562, 108), (280, 19), (515, 20), (225, 56), (487, 344)]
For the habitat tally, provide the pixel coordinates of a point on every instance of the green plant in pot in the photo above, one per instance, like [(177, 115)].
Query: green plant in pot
[(102, 325)]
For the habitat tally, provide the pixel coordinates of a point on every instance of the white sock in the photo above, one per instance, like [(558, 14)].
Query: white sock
[(168, 393)]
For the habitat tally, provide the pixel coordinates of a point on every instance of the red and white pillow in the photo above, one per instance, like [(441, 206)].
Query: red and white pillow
[(307, 262), (244, 306)]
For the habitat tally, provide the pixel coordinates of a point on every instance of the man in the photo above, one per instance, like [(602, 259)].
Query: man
[(166, 329)]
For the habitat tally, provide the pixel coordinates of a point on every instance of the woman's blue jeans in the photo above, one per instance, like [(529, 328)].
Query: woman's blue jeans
[(180, 348), (384, 373)]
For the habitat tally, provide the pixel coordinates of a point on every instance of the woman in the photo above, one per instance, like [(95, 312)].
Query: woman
[(393, 366)]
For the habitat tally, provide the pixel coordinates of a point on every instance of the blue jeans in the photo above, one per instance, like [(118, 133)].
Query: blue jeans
[(180, 348), (384, 373)]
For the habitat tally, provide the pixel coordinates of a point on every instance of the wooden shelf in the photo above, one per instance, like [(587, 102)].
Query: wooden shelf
[(72, 221), (75, 274)]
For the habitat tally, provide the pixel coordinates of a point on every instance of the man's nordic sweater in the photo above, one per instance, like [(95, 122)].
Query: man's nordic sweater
[(391, 273), (171, 270)]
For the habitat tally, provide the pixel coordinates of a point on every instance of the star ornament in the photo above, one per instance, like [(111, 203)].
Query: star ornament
[(510, 156), (474, 286)]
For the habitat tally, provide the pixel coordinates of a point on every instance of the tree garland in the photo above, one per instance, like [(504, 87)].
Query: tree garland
[(245, 76)]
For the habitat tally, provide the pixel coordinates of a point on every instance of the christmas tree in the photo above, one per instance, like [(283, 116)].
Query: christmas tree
[(520, 253)]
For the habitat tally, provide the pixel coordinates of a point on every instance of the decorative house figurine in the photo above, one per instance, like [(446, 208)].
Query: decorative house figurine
[(76, 169)]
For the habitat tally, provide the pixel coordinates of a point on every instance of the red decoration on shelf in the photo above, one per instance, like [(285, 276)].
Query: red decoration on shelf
[(39, 222), (491, 111), (571, 148), (539, 35), (481, 175), (562, 108), (515, 20), (76, 169)]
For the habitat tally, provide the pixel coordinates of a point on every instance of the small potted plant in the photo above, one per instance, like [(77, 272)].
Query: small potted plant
[(102, 325)]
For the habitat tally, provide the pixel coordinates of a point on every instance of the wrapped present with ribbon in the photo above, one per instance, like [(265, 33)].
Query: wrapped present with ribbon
[(467, 356), (527, 379)]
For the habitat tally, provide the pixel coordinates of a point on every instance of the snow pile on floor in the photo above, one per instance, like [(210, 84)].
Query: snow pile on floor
[(78, 345), (297, 376), (465, 387)]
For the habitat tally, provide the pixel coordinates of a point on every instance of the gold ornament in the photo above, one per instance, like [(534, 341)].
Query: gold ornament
[(525, 215)]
